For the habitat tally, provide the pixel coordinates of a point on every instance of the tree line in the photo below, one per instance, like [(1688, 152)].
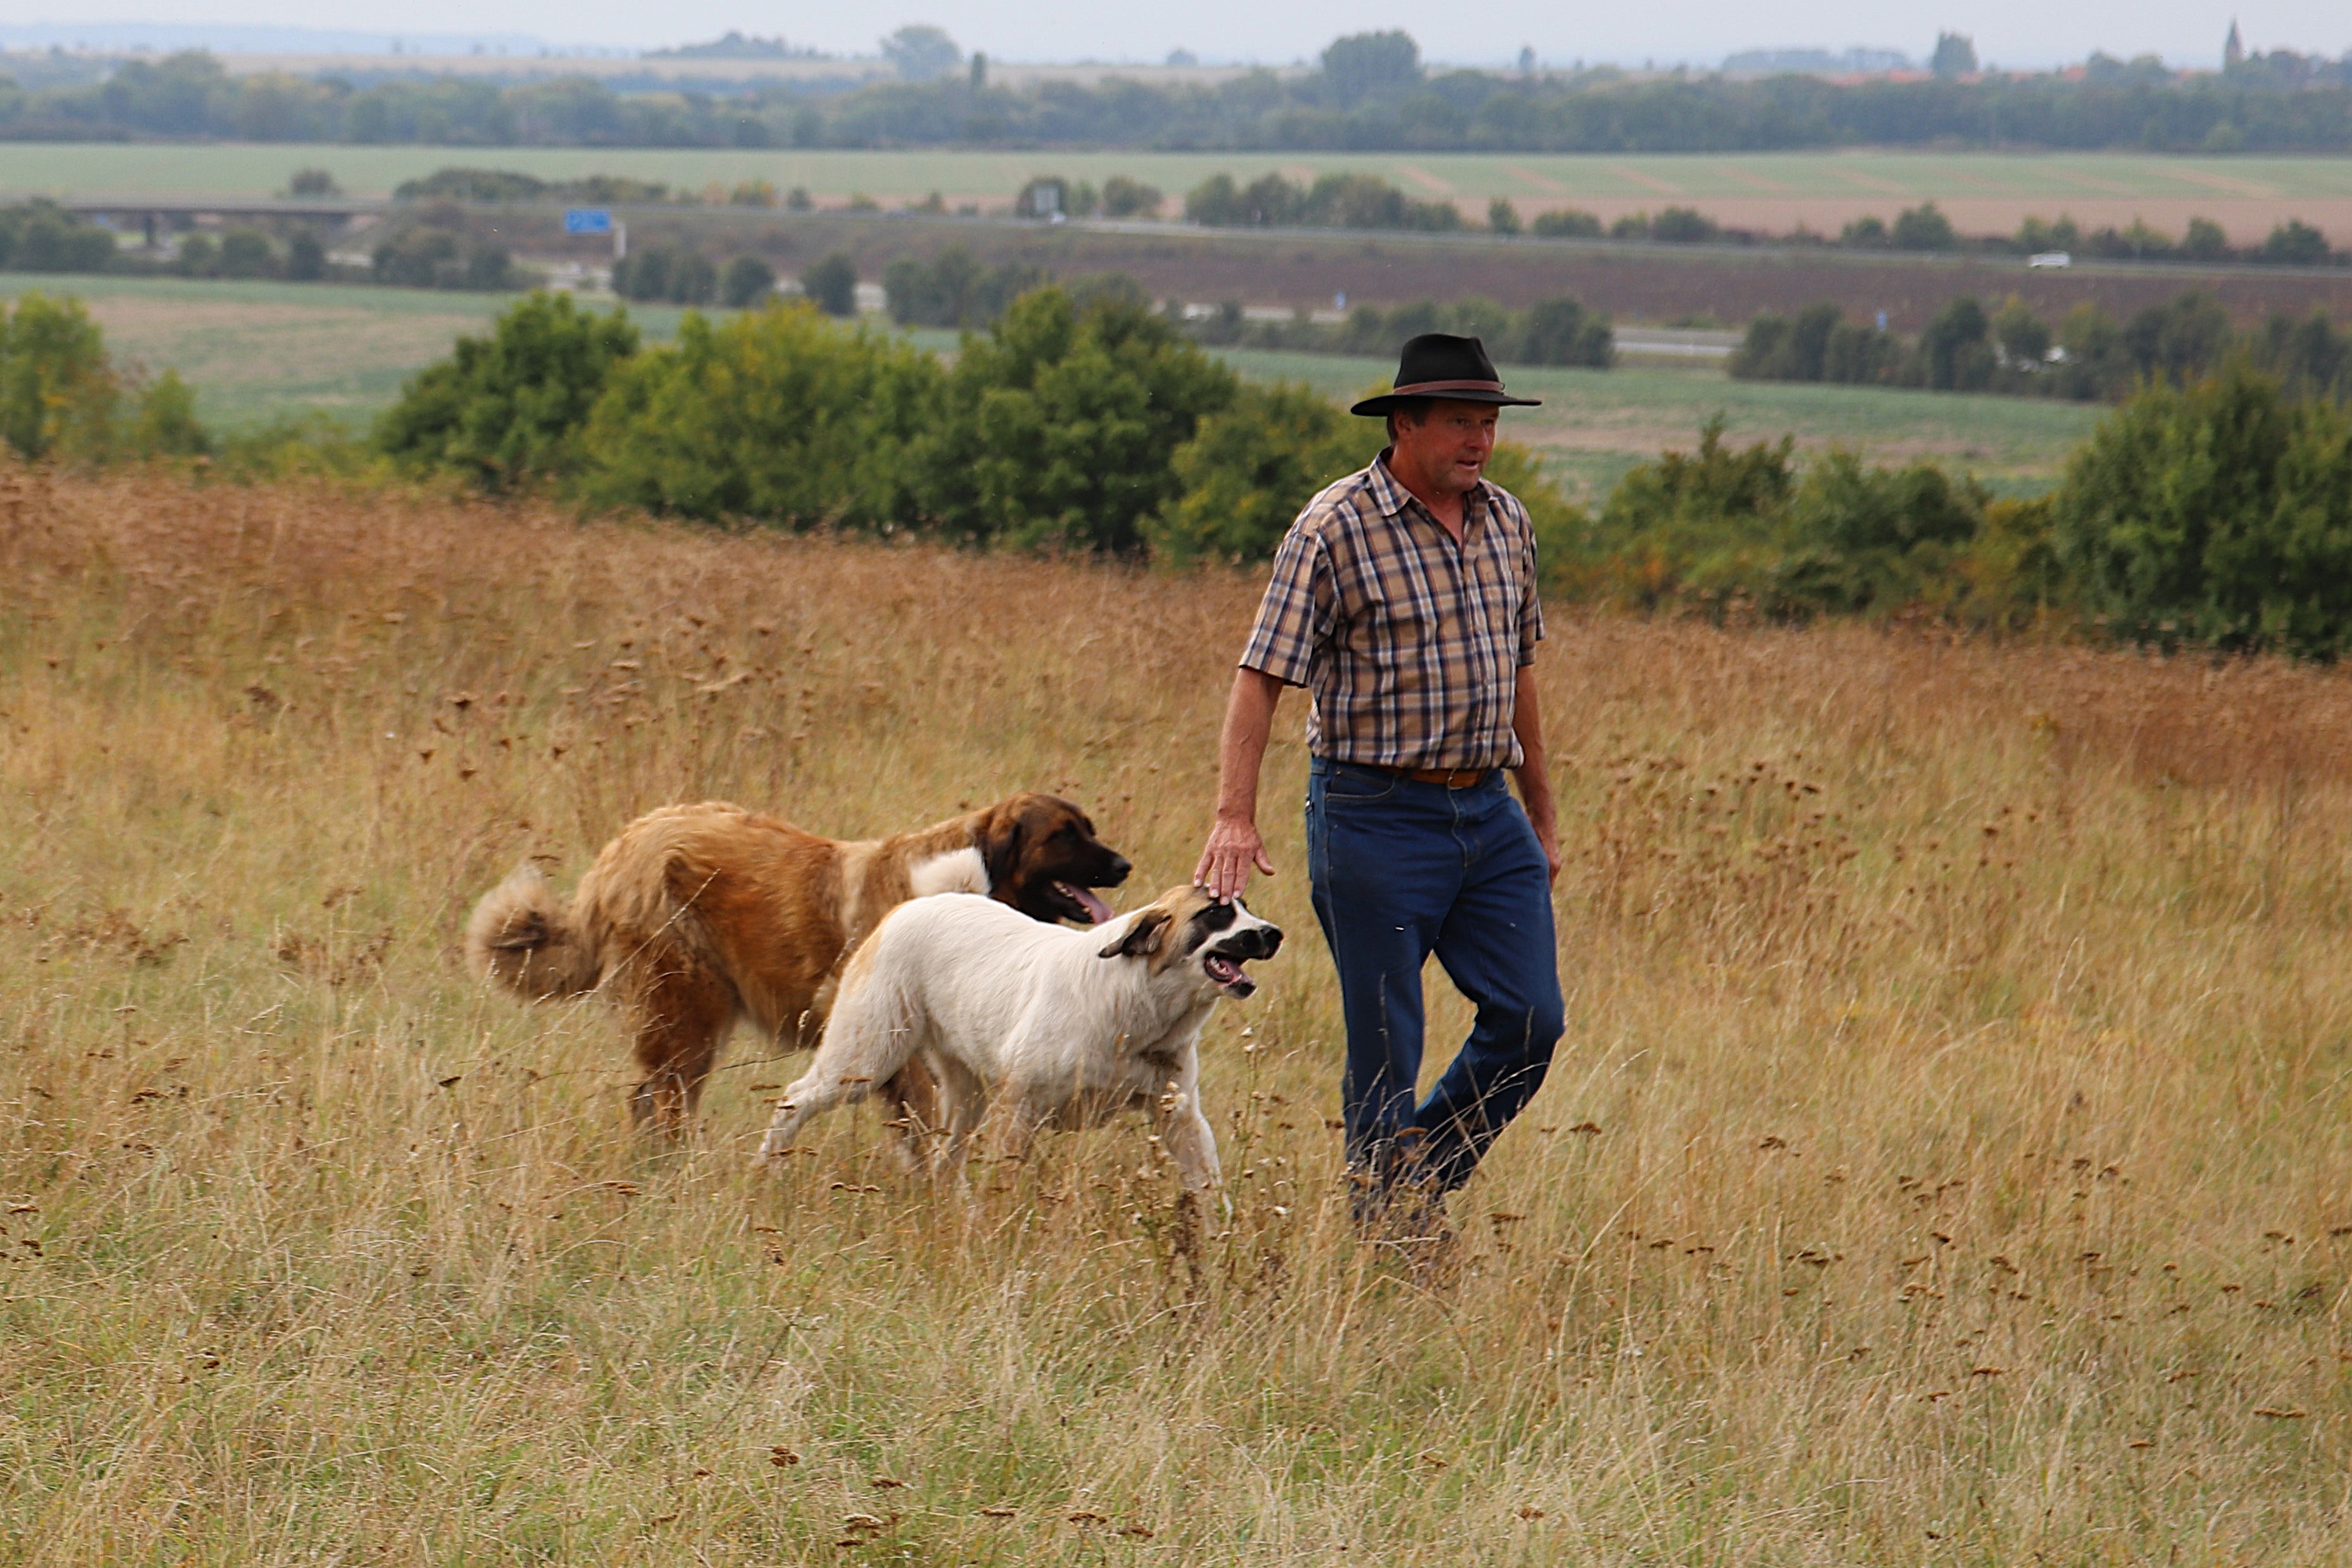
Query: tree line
[(2216, 512), (2088, 355), (1371, 93)]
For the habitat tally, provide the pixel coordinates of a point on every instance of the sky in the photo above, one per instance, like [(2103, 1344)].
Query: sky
[(2020, 33)]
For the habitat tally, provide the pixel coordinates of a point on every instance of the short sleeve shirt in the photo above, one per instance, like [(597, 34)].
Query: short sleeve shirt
[(1409, 643)]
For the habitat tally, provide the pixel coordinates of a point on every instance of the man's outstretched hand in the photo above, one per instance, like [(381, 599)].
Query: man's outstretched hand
[(1234, 847)]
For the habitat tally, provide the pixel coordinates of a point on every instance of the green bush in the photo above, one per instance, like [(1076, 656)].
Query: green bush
[(831, 285), (2219, 513), (61, 399), (1923, 228), (163, 422), (41, 237), (507, 410), (776, 416), (431, 257), (1857, 540), (58, 391), (1721, 525), (666, 274), (1689, 520), (1565, 223), (245, 253), (1683, 225), (1251, 466), (1125, 197), (1060, 427), (953, 288), (748, 282), (1333, 201)]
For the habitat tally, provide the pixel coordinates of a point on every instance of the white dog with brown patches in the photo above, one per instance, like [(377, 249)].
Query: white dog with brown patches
[(1064, 1027)]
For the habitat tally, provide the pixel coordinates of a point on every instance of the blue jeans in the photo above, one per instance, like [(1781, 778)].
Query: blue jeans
[(1401, 870)]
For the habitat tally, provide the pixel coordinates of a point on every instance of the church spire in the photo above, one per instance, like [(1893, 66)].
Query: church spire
[(2233, 52)]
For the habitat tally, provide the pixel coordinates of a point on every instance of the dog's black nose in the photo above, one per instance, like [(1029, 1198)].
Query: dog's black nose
[(1269, 941), (1118, 869)]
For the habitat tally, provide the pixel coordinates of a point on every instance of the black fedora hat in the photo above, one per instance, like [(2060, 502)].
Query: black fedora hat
[(1439, 364)]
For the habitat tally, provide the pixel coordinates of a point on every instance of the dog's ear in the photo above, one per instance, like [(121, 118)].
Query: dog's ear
[(998, 840), (1142, 939)]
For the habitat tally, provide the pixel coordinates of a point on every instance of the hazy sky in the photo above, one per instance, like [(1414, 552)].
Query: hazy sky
[(2016, 32)]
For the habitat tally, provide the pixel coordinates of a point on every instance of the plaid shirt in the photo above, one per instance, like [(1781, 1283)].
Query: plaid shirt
[(1410, 643)]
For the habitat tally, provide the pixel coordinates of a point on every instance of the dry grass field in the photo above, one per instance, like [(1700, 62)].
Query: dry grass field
[(1948, 1161)]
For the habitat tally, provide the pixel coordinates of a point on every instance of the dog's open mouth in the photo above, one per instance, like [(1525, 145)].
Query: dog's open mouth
[(1227, 973), (1086, 899)]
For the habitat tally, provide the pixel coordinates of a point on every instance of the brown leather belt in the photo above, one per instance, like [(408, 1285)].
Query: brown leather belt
[(1452, 778)]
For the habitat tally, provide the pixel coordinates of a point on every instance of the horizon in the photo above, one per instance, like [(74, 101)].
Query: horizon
[(110, 35)]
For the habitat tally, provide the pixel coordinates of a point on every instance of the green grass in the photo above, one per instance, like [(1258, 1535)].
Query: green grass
[(230, 170), (257, 351)]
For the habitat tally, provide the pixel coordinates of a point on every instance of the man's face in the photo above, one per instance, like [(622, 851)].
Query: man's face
[(1450, 444)]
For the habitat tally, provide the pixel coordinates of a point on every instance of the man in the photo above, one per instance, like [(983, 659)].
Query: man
[(1404, 598)]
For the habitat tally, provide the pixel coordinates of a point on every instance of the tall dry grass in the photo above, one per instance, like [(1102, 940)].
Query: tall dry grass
[(1948, 1160)]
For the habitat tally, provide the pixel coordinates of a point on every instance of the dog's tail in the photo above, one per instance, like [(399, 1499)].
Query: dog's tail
[(522, 937)]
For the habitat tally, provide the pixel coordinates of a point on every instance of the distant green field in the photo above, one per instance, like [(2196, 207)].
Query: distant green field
[(255, 351), (1747, 181)]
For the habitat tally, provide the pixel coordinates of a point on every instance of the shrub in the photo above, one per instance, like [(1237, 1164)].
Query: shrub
[(1956, 347), (2023, 337), (1776, 348), (1249, 470), (1719, 525), (953, 290), (58, 392), (777, 416), (1123, 197), (60, 397), (1560, 331), (1867, 234), (1923, 228), (312, 182), (1565, 223), (1502, 217), (200, 258), (2219, 513), (2205, 241), (1690, 518), (748, 282), (246, 253), (429, 256), (667, 274), (507, 410), (831, 285), (1334, 201), (1858, 540), (1060, 427), (1682, 225), (165, 424), (2295, 244), (41, 237)]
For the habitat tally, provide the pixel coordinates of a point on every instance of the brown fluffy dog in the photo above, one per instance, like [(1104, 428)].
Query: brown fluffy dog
[(697, 916)]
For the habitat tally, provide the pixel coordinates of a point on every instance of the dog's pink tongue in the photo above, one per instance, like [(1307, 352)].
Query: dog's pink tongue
[(1097, 911)]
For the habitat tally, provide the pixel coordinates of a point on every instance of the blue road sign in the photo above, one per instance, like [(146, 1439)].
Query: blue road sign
[(588, 220)]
